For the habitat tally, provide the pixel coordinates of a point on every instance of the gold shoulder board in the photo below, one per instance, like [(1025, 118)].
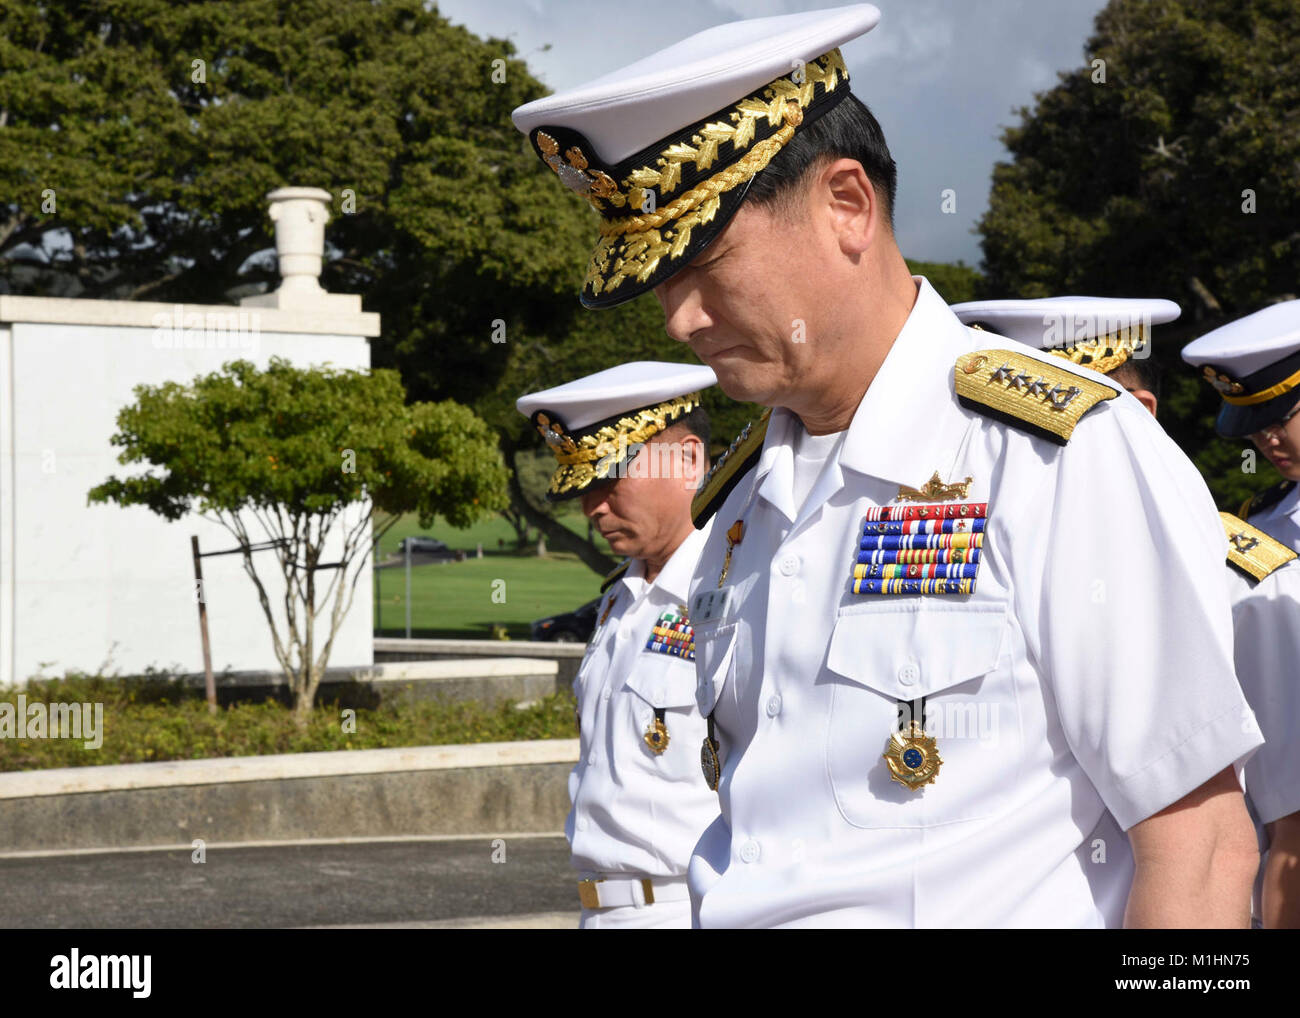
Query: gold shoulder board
[(726, 473), (1033, 395), (612, 577), (1251, 550)]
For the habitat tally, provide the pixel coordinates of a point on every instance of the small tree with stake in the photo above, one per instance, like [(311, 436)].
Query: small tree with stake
[(283, 453)]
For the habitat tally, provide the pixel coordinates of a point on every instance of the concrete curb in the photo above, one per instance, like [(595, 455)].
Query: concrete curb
[(568, 656), (488, 679), (487, 788)]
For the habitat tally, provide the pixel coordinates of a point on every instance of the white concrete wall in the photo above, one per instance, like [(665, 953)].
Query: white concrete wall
[(88, 586)]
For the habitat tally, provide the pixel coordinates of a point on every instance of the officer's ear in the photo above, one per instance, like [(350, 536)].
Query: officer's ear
[(849, 198), (695, 460), (1146, 397)]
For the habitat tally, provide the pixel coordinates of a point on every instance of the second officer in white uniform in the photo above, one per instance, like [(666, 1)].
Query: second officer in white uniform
[(632, 444)]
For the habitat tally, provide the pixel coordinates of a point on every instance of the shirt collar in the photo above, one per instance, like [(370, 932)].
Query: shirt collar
[(675, 577), (898, 433), (895, 434)]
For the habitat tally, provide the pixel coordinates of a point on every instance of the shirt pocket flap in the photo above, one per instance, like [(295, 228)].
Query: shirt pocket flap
[(912, 649), (663, 681)]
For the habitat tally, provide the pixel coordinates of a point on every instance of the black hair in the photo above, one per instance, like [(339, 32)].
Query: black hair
[(849, 131), (696, 423), (1138, 374)]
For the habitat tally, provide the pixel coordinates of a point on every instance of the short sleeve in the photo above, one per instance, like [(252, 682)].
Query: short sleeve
[(1266, 618), (1132, 621)]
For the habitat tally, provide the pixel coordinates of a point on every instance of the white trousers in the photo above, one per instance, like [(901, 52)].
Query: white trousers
[(666, 915)]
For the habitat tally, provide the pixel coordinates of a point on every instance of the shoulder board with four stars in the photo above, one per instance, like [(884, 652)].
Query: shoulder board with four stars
[(1252, 551), (726, 473), (1043, 398), (614, 575), (1262, 500)]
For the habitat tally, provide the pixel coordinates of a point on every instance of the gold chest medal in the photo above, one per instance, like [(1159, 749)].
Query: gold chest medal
[(656, 733), (913, 757)]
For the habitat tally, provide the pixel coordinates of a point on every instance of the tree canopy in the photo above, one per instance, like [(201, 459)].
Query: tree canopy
[(1167, 166), (280, 455)]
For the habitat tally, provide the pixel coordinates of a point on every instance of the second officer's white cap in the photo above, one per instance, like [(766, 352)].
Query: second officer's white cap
[(595, 424)]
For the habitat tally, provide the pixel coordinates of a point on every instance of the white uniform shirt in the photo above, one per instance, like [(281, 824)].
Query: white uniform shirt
[(634, 812), (1266, 619), (1281, 520), (1086, 684)]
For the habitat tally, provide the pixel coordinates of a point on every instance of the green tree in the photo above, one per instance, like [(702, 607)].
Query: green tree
[(139, 141), (1167, 166), (283, 456), (955, 282)]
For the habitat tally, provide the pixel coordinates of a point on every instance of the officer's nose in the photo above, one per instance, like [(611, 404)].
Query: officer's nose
[(683, 305), (593, 502)]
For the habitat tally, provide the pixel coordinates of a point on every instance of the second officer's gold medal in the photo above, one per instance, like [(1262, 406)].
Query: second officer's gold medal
[(912, 756)]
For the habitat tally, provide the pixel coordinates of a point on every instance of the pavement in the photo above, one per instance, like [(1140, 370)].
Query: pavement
[(512, 882)]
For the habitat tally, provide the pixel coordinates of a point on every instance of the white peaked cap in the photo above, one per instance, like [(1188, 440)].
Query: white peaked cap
[(622, 112), (1053, 322), (596, 424)]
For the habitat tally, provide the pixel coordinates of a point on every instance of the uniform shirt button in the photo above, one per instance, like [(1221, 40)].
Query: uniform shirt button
[(749, 851), (908, 674), (773, 705), (581, 824), (659, 698), (789, 565)]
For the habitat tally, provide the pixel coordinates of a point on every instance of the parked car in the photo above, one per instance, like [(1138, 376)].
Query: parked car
[(571, 627), (421, 546)]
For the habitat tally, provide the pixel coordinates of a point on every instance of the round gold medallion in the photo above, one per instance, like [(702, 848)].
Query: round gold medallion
[(656, 736), (913, 757)]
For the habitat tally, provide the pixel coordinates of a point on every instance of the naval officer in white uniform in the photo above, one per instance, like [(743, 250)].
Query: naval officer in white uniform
[(1113, 335), (928, 704), (632, 445), (1254, 363)]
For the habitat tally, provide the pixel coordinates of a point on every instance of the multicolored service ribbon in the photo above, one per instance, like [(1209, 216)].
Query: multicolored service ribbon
[(920, 549), (672, 635)]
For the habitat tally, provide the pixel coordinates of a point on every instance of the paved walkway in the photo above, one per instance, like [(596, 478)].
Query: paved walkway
[(406, 884)]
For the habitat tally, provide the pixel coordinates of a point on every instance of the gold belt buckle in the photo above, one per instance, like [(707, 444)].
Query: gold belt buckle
[(588, 894)]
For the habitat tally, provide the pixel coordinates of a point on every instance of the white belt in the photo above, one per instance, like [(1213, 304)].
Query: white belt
[(613, 892)]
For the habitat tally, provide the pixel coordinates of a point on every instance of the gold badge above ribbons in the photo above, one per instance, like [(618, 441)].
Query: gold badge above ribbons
[(913, 757)]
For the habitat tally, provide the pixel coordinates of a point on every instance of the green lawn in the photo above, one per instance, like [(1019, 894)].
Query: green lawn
[(466, 599)]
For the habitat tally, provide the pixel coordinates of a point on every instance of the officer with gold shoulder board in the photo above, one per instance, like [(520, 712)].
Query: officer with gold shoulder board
[(1254, 363), (927, 703), (632, 445), (1113, 335)]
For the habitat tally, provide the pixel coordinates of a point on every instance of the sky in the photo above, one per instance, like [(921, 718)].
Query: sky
[(943, 77)]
